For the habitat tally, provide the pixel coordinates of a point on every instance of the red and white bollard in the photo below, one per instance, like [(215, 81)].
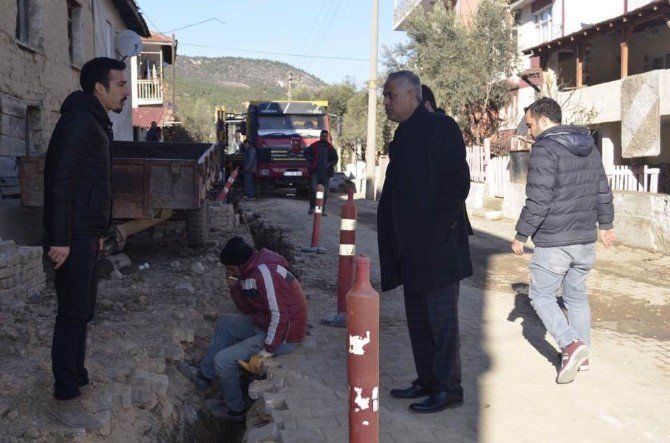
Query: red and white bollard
[(363, 356), (346, 262), (316, 227), (229, 184)]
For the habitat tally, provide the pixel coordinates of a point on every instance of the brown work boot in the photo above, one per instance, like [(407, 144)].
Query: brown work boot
[(573, 356), (94, 401), (71, 413)]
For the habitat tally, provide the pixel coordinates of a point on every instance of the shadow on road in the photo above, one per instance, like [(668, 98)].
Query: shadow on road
[(532, 329)]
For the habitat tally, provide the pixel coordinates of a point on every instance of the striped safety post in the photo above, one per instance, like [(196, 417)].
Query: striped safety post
[(229, 184), (346, 262), (363, 356), (316, 227)]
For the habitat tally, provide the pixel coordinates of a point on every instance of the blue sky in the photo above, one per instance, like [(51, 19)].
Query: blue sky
[(330, 28)]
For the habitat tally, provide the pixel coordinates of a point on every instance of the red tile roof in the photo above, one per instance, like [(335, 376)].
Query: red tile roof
[(144, 115)]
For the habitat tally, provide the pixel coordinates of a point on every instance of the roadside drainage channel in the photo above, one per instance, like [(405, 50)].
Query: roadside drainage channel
[(271, 418)]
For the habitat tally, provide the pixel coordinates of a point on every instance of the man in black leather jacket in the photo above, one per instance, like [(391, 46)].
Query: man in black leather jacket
[(77, 214)]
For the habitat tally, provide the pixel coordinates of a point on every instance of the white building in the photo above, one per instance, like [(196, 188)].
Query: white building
[(109, 18), (150, 72), (611, 58), (43, 45)]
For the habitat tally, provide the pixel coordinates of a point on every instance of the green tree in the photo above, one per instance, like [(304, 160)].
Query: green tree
[(466, 64)]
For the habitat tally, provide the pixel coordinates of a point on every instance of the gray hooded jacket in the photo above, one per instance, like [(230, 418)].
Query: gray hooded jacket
[(567, 191)]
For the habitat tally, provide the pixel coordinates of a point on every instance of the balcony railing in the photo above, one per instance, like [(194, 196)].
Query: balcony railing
[(403, 10), (149, 92)]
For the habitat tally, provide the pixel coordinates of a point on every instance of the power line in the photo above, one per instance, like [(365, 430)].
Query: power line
[(321, 43), (322, 27), (276, 53), (211, 19)]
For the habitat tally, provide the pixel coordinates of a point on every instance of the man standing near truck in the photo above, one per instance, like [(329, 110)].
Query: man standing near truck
[(77, 214), (250, 168), (322, 158)]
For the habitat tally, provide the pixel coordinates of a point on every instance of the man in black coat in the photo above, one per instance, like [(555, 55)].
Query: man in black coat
[(77, 214), (423, 238), (567, 196), (321, 158)]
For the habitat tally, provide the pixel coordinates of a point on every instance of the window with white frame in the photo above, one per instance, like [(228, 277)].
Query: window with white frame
[(109, 40), (543, 25), (22, 25), (29, 23), (75, 33)]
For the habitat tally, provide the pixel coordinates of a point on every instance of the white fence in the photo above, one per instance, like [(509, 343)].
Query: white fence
[(477, 158), (634, 178), (484, 169), (150, 90)]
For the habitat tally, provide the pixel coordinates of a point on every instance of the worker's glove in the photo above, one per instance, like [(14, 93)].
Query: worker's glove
[(255, 365)]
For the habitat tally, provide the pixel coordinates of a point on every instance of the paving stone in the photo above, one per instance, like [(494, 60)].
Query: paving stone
[(7, 246), (198, 268), (263, 434), (304, 403), (273, 400), (300, 436), (184, 289)]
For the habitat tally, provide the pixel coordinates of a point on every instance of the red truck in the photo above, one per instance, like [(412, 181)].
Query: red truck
[(281, 130)]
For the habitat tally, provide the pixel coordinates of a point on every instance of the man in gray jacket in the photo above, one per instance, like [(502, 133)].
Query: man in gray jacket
[(567, 196)]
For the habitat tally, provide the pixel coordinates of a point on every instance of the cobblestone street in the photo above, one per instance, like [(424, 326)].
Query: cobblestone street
[(509, 365)]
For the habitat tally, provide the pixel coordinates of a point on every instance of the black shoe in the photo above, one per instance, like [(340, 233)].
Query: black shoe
[(414, 391), (193, 375), (438, 402), (310, 211), (323, 214)]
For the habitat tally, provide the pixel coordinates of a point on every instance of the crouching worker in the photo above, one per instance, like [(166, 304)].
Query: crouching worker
[(274, 322)]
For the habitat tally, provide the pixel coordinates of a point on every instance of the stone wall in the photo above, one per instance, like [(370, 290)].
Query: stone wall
[(642, 220), (37, 75), (21, 272)]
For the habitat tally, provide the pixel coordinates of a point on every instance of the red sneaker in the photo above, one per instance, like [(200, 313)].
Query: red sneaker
[(573, 356), (584, 366)]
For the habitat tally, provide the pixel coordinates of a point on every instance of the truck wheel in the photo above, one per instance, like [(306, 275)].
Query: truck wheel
[(197, 225)]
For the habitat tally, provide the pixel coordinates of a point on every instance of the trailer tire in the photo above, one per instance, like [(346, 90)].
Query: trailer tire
[(197, 225)]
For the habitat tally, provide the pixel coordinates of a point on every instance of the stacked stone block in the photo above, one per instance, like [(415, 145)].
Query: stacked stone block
[(21, 270), (221, 216)]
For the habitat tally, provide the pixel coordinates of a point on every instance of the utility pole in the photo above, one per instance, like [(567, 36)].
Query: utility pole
[(371, 147), (290, 84), (174, 76)]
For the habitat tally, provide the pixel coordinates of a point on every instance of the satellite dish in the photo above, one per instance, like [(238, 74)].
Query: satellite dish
[(128, 43)]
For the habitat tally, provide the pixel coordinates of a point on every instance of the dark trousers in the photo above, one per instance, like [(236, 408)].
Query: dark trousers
[(432, 319), (318, 178), (76, 289), (249, 184)]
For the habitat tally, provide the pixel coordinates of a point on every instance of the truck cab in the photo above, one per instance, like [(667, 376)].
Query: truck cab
[(280, 131)]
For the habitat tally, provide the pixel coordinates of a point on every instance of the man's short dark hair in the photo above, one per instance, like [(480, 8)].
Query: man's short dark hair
[(546, 107), (236, 252), (323, 131), (97, 71), (428, 96)]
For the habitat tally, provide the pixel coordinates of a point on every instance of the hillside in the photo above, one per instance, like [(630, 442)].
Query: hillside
[(204, 83)]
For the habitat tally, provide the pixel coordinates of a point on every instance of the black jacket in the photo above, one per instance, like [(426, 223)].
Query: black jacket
[(77, 173), (311, 154), (567, 190), (421, 224)]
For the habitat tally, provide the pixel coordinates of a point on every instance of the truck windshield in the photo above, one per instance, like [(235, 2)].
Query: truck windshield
[(291, 122)]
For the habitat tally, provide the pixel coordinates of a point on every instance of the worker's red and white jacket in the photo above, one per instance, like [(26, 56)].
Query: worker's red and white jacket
[(273, 298)]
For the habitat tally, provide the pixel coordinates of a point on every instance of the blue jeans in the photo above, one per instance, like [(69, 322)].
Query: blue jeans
[(249, 184), (235, 338), (569, 266)]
